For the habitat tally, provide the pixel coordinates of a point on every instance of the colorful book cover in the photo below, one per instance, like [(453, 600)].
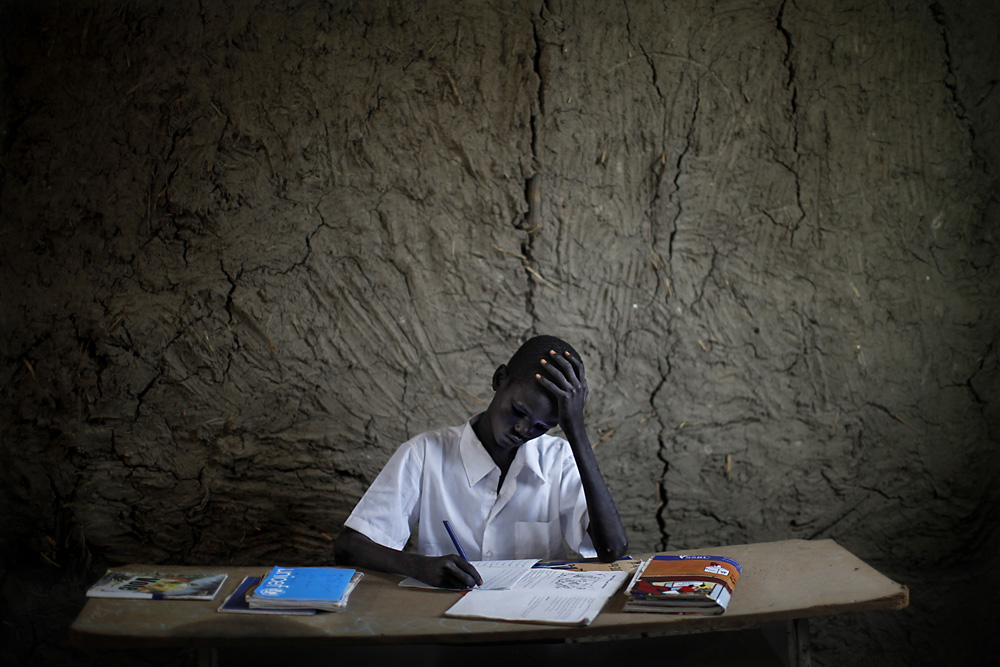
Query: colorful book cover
[(157, 585), (683, 584)]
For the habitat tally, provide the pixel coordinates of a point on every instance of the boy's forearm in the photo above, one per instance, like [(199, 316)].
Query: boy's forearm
[(606, 529), (354, 548)]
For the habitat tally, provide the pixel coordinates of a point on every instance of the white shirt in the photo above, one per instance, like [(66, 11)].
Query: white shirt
[(448, 474)]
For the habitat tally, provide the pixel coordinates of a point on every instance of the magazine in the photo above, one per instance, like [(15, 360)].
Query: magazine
[(697, 584), (157, 585)]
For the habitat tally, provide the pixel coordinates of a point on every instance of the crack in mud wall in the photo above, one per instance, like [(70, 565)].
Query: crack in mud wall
[(250, 247)]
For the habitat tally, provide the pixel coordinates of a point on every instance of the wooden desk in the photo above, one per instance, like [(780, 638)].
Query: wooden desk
[(787, 581)]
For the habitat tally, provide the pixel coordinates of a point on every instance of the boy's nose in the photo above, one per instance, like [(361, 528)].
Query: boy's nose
[(521, 429)]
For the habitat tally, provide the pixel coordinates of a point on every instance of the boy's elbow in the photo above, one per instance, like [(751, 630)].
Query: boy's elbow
[(608, 553), (343, 547)]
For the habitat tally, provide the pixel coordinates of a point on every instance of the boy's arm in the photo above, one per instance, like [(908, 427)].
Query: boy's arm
[(566, 381), (357, 549)]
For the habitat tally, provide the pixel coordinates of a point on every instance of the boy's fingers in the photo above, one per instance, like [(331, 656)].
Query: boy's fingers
[(453, 577), (569, 366), (468, 579), (548, 384), (467, 566), (555, 376), (463, 571), (560, 370), (564, 386), (577, 364)]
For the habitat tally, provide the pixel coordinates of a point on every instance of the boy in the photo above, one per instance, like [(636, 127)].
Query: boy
[(507, 489)]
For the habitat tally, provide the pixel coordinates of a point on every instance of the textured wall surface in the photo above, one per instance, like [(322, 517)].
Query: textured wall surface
[(249, 247)]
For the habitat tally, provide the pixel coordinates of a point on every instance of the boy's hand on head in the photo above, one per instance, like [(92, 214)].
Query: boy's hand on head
[(564, 378)]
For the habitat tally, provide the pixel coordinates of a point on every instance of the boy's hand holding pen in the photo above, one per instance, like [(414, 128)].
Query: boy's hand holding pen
[(467, 573)]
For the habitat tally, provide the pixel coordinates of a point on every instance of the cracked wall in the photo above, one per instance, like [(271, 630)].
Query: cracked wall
[(248, 248)]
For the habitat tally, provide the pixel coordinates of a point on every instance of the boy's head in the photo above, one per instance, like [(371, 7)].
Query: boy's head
[(522, 409), (526, 362)]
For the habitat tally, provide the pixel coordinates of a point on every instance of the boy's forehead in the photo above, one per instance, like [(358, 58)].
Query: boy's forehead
[(532, 394)]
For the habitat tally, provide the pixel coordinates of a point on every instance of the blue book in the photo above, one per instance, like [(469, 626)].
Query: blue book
[(237, 602), (324, 588)]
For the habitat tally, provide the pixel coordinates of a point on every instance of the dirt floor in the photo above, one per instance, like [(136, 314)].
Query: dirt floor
[(248, 247)]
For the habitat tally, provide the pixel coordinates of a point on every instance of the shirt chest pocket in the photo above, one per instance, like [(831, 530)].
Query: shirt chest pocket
[(538, 539)]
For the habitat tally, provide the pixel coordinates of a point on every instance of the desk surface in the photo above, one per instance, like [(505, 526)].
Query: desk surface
[(779, 581)]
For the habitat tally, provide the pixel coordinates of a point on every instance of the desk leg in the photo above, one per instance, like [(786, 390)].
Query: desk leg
[(208, 657), (790, 641), (799, 654)]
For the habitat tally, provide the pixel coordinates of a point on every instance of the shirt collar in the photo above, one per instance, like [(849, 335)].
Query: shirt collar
[(478, 462), (532, 455)]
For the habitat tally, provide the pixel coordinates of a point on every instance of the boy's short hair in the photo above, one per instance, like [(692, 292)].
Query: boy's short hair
[(525, 363)]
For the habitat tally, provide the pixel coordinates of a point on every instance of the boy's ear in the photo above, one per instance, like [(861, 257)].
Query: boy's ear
[(499, 376)]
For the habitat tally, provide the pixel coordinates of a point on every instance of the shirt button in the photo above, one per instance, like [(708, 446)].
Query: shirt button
[(489, 554)]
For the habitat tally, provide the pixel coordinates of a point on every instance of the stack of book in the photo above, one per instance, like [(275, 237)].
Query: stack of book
[(295, 590), (700, 585)]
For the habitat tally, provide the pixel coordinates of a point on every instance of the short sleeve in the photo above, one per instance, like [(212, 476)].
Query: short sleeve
[(389, 511)]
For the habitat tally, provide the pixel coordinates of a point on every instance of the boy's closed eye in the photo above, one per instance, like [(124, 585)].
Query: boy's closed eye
[(538, 427)]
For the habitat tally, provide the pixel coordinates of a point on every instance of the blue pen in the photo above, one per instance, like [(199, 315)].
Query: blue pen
[(454, 539)]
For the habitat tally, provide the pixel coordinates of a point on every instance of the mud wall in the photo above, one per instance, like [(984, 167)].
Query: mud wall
[(249, 247)]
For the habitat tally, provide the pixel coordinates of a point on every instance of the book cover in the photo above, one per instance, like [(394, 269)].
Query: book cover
[(157, 585), (324, 588), (698, 584), (236, 603)]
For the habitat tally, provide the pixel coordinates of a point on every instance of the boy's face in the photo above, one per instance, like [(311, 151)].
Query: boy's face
[(520, 411)]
